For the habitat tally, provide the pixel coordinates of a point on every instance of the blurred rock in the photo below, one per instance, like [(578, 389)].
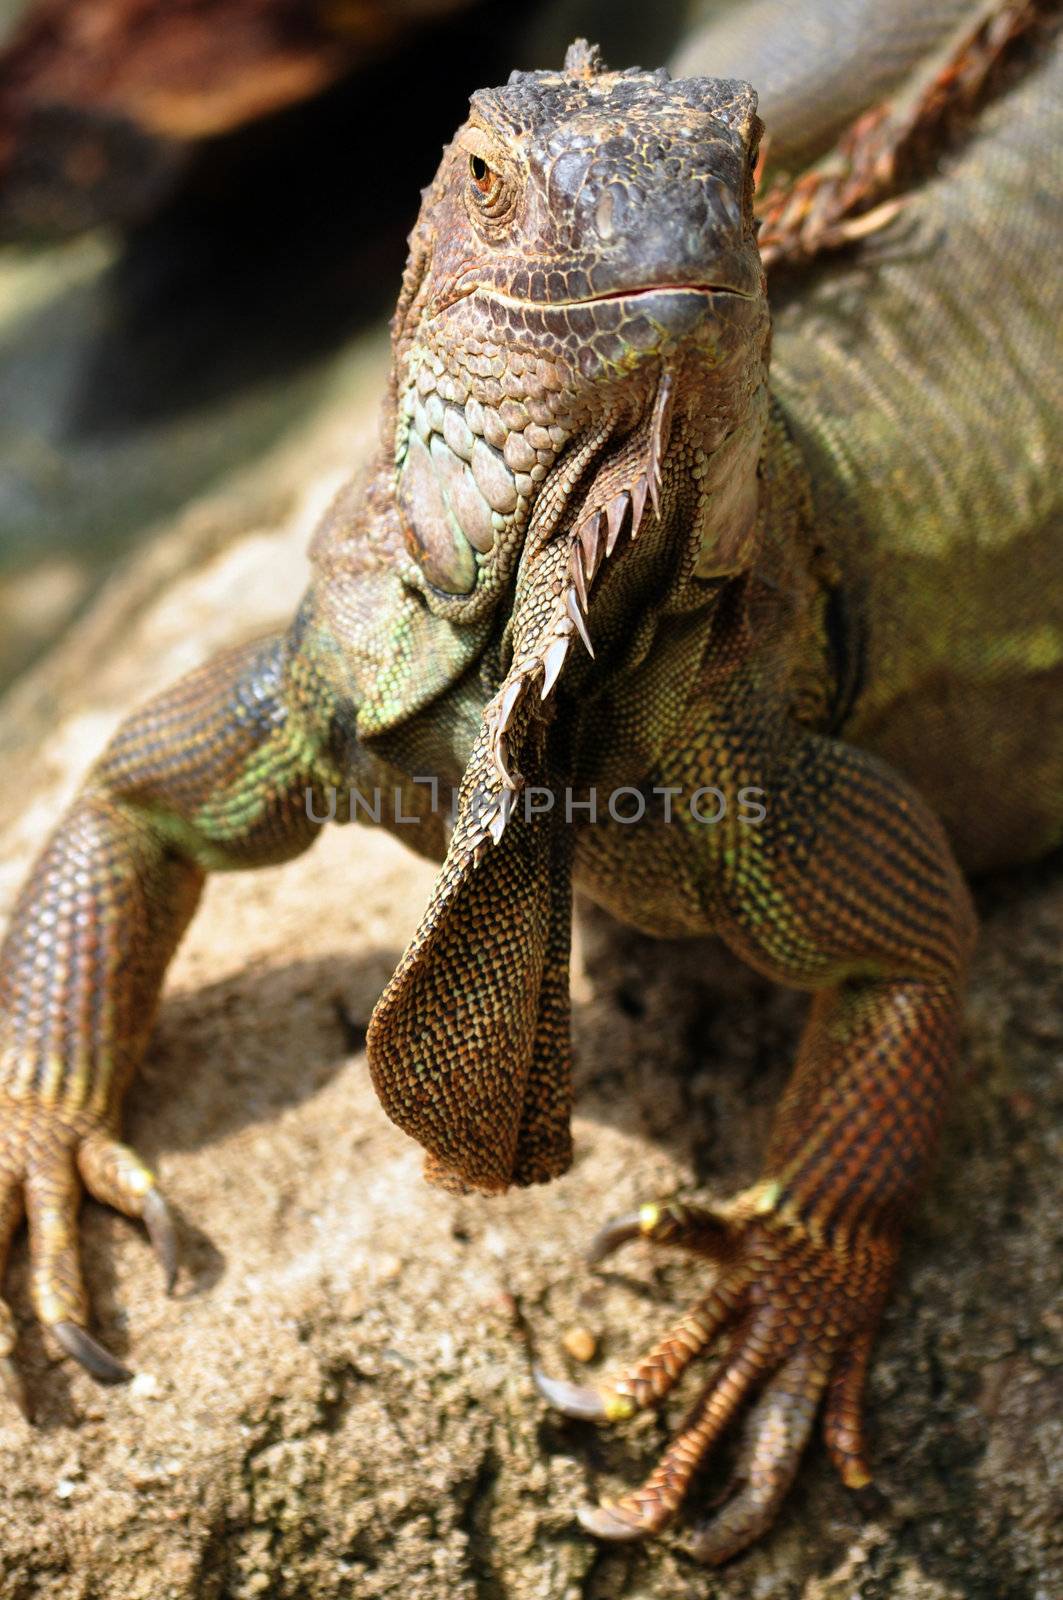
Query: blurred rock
[(102, 102), (804, 107), (139, 371)]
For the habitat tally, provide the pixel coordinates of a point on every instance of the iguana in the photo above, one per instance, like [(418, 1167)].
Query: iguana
[(598, 554)]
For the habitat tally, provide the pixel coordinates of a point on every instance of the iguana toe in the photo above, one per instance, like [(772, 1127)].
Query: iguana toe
[(696, 1228), (774, 1437), (12, 1386), (793, 1318), (46, 1154)]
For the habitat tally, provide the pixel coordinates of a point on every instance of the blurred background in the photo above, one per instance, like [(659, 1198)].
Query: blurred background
[(203, 212), (203, 208)]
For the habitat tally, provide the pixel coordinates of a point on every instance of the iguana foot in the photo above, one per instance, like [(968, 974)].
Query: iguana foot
[(794, 1314), (45, 1158)]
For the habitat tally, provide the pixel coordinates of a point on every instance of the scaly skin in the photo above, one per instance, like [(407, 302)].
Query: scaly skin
[(579, 438)]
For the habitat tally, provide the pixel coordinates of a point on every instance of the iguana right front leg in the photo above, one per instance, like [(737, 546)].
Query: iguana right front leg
[(211, 775)]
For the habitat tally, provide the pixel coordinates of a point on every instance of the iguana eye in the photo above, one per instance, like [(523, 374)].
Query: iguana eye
[(485, 178)]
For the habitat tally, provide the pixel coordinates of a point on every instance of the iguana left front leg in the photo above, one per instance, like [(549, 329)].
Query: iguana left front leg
[(847, 888), (211, 775)]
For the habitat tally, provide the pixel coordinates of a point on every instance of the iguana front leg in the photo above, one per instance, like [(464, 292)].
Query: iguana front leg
[(211, 775), (848, 888)]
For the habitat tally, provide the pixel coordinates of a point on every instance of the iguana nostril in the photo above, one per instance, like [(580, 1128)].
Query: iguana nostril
[(603, 215)]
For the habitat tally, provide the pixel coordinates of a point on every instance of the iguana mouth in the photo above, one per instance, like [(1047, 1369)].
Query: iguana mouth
[(643, 289), (637, 291), (707, 290)]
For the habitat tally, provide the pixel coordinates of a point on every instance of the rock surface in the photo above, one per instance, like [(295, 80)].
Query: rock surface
[(338, 1401)]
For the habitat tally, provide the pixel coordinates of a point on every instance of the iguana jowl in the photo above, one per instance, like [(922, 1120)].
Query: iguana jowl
[(579, 450)]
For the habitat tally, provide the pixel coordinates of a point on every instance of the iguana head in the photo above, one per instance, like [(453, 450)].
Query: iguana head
[(583, 277)]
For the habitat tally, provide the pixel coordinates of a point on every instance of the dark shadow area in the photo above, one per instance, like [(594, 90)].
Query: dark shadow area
[(285, 237), (228, 1056), (288, 235), (996, 893), (705, 1035), (695, 1050)]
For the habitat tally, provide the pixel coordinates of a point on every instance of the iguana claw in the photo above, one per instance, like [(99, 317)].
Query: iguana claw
[(606, 1522), (613, 1235), (163, 1236), (703, 1229), (571, 1399), (47, 1156), (98, 1362)]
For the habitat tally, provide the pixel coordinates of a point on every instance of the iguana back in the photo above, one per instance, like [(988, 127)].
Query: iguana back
[(920, 372)]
